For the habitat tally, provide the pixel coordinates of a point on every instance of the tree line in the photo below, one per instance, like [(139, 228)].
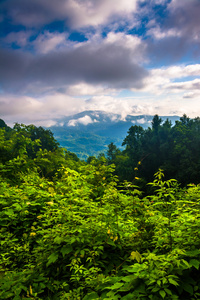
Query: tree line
[(173, 148)]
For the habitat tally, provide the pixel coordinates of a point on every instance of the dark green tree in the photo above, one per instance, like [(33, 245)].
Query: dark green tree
[(156, 122), (112, 152)]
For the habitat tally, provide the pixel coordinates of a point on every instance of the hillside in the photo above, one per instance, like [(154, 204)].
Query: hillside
[(89, 133)]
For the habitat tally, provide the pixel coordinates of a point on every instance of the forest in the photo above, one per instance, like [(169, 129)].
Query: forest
[(123, 225)]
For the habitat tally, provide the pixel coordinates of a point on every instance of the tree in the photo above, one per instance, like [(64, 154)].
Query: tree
[(133, 142), (3, 124), (112, 152), (43, 137), (156, 123)]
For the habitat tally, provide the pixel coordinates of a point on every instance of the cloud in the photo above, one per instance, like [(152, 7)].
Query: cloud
[(162, 81), (45, 73), (113, 62), (120, 106), (76, 13), (85, 89), (40, 111), (18, 106), (48, 110), (175, 35), (94, 13), (191, 95), (33, 13), (84, 120), (49, 41), (141, 121), (186, 85), (184, 16), (158, 34), (13, 71), (20, 38)]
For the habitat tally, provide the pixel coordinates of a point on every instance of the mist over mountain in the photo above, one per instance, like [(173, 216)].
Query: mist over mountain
[(88, 133)]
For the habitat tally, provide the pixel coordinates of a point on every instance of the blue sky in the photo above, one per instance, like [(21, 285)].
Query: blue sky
[(61, 57)]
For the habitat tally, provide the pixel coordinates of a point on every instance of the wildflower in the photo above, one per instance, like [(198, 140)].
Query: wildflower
[(50, 203), (32, 234)]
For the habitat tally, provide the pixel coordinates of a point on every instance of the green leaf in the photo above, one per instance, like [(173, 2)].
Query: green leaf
[(188, 288), (111, 296), (116, 286), (172, 281), (162, 294), (66, 250), (9, 212), (195, 263), (192, 252), (128, 278), (91, 296), (17, 206), (52, 258), (58, 240), (17, 297), (136, 255), (168, 291), (73, 240), (185, 263), (128, 297), (82, 252)]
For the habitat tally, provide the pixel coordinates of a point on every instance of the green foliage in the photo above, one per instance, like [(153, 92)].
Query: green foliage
[(71, 230), (175, 149)]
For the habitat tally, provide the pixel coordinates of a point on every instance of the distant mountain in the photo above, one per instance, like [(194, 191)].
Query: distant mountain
[(88, 133)]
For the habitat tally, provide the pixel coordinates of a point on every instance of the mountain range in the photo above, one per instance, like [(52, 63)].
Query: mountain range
[(88, 133)]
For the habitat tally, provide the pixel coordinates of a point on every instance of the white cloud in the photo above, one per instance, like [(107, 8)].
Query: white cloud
[(120, 106), (85, 89), (161, 80), (186, 85), (158, 33), (49, 41), (84, 120), (190, 95), (141, 121), (15, 106), (134, 44), (95, 13), (72, 123), (42, 110), (48, 110), (181, 71)]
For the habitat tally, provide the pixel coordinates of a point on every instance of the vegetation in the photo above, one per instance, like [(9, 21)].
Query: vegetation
[(73, 230), (175, 149)]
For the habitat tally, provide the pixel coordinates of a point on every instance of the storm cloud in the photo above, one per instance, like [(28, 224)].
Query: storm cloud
[(172, 38), (75, 13), (112, 62)]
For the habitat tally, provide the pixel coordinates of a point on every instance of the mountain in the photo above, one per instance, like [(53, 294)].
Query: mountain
[(88, 133)]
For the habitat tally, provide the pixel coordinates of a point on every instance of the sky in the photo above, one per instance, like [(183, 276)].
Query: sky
[(129, 57)]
